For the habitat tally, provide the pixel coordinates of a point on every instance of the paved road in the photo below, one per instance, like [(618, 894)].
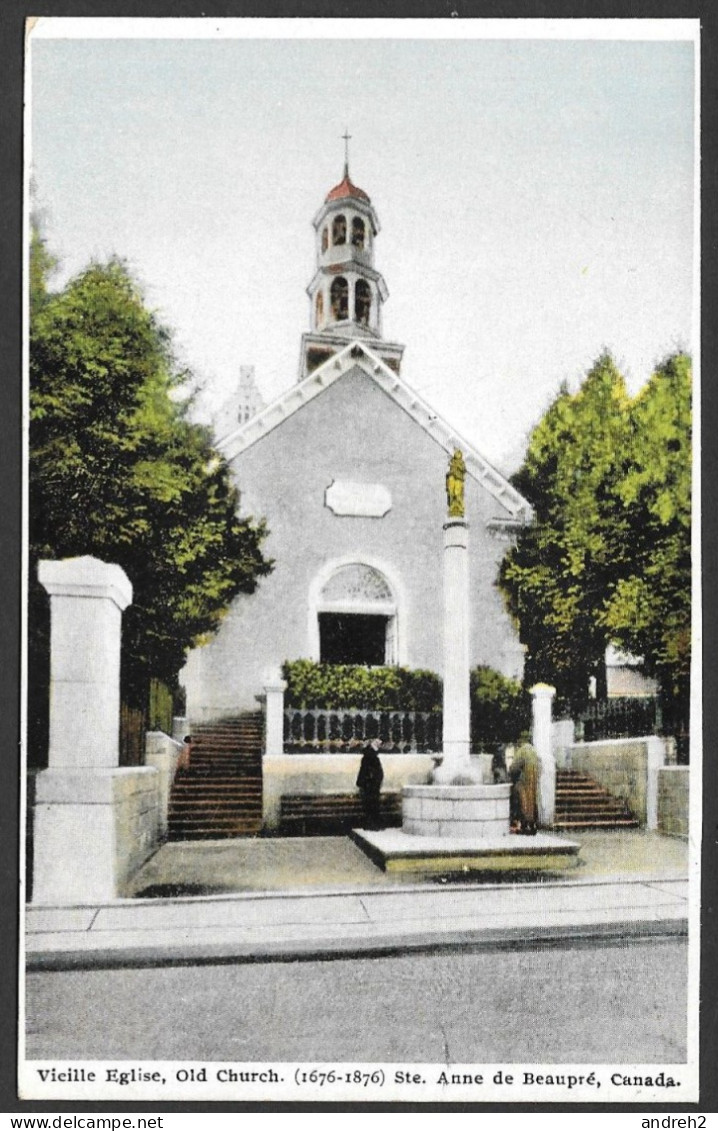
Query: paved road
[(552, 1004)]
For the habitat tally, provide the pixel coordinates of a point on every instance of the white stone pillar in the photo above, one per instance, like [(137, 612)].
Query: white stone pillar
[(87, 598), (274, 689), (542, 695), (95, 823), (457, 704)]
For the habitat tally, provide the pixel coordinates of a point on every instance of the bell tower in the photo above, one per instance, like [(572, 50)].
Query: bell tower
[(347, 293)]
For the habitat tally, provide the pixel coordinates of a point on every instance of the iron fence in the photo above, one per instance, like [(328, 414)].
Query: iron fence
[(618, 718)]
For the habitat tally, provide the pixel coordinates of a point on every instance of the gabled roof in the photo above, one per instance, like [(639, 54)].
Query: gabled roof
[(357, 354)]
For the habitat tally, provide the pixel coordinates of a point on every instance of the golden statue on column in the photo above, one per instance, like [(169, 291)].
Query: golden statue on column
[(455, 477)]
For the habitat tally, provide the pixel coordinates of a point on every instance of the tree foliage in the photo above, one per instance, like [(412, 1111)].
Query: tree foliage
[(649, 610), (608, 558), (117, 470), (500, 709), (557, 576)]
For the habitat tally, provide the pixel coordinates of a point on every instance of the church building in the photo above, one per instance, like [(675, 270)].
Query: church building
[(348, 469)]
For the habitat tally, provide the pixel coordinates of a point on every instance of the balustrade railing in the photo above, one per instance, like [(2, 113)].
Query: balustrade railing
[(314, 729)]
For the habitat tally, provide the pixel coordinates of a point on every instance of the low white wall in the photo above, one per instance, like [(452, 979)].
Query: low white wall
[(333, 773), (627, 768), (93, 830), (162, 753), (673, 800)]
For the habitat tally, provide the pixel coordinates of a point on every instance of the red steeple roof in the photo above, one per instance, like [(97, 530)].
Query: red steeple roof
[(346, 188)]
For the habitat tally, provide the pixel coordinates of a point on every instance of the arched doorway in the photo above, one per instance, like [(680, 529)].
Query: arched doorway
[(354, 615)]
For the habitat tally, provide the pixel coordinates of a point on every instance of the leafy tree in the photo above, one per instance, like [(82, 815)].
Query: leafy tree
[(560, 572), (117, 470), (500, 709), (42, 265), (649, 610)]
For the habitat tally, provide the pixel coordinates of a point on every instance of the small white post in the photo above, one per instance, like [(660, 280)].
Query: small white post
[(180, 727), (274, 688), (542, 695)]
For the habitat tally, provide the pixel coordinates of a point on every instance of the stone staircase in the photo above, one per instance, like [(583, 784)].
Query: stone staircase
[(581, 803), (332, 814), (220, 794)]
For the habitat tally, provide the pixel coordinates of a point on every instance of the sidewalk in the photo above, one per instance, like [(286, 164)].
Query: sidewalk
[(630, 885)]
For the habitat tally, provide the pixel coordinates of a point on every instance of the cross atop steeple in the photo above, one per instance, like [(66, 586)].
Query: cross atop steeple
[(347, 138)]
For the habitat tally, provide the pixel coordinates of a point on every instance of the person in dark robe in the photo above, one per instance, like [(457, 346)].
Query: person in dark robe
[(369, 780), (524, 774)]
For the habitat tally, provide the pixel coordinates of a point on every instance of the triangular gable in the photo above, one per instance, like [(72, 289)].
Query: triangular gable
[(358, 354)]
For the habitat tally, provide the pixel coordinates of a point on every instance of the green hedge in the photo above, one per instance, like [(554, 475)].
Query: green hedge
[(310, 684), (500, 709)]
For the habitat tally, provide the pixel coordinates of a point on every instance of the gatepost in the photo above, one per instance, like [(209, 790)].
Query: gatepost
[(95, 822)]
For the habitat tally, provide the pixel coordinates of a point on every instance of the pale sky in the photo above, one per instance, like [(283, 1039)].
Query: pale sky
[(535, 200)]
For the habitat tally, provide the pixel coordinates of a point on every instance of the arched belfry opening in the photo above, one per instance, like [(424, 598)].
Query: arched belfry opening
[(356, 617), (339, 295), (362, 302), (339, 230)]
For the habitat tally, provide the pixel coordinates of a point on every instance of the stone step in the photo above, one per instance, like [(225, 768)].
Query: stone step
[(216, 834), (218, 821), (321, 814), (591, 810), (614, 823), (210, 790), (189, 802)]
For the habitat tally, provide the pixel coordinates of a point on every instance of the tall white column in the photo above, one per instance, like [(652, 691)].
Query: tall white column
[(457, 707), (94, 823), (542, 696)]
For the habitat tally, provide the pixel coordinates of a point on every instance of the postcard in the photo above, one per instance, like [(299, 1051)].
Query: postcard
[(361, 725)]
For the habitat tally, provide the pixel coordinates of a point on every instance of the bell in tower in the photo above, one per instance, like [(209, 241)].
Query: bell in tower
[(347, 293)]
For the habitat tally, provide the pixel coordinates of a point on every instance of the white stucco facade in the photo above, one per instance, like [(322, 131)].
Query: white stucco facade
[(353, 431)]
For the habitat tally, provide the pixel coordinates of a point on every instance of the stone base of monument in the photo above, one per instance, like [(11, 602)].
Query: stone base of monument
[(456, 811), (460, 829)]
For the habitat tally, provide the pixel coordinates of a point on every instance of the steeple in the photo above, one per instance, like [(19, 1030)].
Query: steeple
[(346, 293)]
